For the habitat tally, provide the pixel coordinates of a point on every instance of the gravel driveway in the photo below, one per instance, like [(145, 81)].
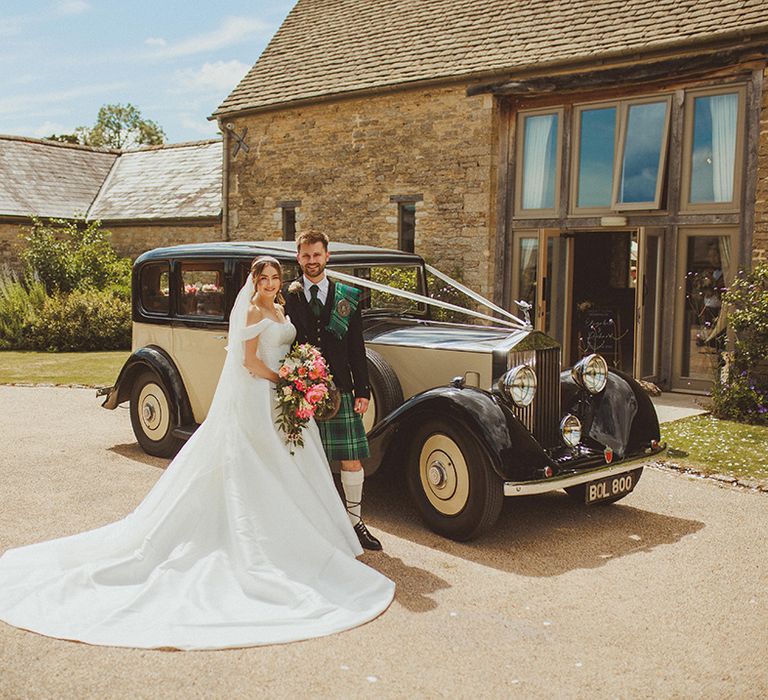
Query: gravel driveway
[(663, 595)]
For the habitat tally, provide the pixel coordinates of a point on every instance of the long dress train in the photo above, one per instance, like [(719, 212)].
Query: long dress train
[(239, 542)]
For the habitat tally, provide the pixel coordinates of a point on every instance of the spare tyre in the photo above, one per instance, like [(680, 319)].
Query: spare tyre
[(386, 392)]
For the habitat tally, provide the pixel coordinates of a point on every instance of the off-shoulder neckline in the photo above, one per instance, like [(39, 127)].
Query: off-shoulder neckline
[(267, 318)]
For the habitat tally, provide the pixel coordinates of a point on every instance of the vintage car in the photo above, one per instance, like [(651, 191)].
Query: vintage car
[(467, 413)]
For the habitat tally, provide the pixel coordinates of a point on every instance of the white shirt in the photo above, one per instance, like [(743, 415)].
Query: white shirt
[(322, 293)]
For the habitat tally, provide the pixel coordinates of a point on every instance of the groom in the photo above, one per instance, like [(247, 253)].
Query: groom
[(326, 314)]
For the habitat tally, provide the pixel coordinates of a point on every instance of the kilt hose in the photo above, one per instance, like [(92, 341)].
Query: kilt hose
[(343, 435)]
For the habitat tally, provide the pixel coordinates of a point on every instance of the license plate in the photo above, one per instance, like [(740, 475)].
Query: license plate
[(610, 487)]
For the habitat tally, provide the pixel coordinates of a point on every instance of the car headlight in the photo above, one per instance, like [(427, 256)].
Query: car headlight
[(570, 430), (591, 373), (519, 383)]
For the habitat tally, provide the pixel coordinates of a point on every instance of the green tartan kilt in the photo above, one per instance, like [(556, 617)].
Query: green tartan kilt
[(343, 435)]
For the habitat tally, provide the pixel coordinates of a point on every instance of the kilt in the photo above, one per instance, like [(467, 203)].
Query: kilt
[(343, 435)]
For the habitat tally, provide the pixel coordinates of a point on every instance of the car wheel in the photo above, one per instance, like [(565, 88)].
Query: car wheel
[(452, 482), (153, 416), (579, 492), (386, 392)]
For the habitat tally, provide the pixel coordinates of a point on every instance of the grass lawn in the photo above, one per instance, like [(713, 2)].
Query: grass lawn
[(86, 368), (712, 446)]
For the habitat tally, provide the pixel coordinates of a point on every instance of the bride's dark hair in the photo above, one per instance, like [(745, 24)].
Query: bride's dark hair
[(257, 267)]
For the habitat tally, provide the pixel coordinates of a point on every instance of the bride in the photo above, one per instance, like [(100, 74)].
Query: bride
[(239, 542)]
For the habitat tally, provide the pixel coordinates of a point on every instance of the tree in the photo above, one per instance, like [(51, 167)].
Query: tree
[(121, 126), (64, 138)]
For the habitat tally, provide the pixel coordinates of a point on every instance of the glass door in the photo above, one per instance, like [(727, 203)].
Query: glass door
[(525, 274), (555, 287), (542, 277), (704, 270), (647, 254)]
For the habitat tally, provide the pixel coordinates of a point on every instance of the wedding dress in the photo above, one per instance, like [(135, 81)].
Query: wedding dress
[(239, 542)]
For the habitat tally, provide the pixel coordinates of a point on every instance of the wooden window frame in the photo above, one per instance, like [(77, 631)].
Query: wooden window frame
[(519, 153), (734, 206), (620, 132), (623, 116)]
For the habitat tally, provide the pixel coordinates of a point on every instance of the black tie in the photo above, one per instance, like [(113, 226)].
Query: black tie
[(314, 303)]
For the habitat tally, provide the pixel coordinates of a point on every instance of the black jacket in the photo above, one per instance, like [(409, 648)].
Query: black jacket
[(346, 356)]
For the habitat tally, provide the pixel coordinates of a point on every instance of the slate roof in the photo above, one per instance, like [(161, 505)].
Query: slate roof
[(330, 47), (49, 179), (182, 181)]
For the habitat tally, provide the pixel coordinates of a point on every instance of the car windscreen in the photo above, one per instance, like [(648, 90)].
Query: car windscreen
[(409, 278)]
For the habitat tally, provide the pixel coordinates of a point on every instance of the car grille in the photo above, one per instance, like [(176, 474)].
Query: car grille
[(542, 416)]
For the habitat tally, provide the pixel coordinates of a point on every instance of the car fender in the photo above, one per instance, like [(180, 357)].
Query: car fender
[(512, 450), (157, 360), (622, 416)]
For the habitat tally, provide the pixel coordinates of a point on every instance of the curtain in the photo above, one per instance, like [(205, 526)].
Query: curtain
[(724, 246), (724, 110), (536, 167)]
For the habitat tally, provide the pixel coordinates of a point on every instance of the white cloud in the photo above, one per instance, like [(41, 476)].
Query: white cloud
[(231, 31), (72, 7), (155, 41), (52, 100), (219, 76), (11, 26), (198, 125)]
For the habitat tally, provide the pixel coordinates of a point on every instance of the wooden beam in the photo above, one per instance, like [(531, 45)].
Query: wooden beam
[(680, 67), (505, 126), (749, 189)]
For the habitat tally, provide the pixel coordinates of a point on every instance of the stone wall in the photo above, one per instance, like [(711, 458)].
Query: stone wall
[(9, 242), (134, 239), (129, 240), (346, 160), (760, 233)]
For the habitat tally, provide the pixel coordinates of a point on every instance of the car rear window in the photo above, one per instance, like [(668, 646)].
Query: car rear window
[(202, 289)]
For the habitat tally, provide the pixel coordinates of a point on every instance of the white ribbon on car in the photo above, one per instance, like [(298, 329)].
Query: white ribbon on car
[(474, 295), (420, 299)]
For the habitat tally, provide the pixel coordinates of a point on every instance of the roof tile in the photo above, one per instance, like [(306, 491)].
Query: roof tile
[(326, 47)]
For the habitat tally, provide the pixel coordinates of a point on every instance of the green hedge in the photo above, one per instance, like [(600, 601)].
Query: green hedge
[(740, 391), (81, 321)]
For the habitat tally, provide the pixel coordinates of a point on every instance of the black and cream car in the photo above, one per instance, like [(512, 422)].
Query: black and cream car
[(467, 413)]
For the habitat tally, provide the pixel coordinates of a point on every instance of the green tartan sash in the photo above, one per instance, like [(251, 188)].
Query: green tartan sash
[(345, 301)]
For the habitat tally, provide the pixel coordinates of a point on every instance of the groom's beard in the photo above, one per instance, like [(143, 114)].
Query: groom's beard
[(314, 270)]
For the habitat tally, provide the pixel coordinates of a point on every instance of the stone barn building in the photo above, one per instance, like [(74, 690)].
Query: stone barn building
[(605, 161), (148, 197)]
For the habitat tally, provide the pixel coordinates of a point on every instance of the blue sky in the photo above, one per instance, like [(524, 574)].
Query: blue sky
[(176, 60)]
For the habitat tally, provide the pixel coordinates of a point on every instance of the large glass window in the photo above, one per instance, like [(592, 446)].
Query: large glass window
[(540, 150), (644, 146), (597, 138), (713, 150)]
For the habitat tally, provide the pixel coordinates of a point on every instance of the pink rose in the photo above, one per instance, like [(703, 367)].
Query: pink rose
[(300, 385), (316, 393), (283, 372), (301, 371)]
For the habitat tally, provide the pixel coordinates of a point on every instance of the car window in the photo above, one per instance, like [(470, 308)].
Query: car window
[(405, 277), (202, 289), (154, 285)]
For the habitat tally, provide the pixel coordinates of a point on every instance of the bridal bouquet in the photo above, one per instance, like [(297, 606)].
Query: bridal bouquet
[(305, 390)]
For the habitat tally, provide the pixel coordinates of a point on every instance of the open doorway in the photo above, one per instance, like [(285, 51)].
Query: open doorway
[(603, 298)]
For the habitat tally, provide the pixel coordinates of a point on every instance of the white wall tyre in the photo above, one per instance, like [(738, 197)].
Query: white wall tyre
[(452, 482), (386, 392), (153, 416)]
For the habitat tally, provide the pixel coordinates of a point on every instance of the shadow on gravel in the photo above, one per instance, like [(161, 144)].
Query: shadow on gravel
[(543, 535), (134, 452), (413, 585)]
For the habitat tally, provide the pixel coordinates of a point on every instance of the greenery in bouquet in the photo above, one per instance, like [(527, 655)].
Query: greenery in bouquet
[(303, 391)]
